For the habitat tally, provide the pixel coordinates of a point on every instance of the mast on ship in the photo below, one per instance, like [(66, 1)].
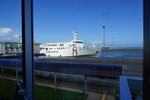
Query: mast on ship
[(75, 35)]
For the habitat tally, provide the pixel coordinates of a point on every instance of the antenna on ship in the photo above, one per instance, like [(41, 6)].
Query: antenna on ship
[(75, 35)]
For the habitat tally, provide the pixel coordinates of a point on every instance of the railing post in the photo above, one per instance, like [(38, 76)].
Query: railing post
[(55, 78), (122, 70), (16, 74), (124, 67), (85, 85), (2, 72)]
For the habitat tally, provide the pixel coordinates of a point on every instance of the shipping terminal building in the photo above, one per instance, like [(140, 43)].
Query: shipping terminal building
[(13, 48)]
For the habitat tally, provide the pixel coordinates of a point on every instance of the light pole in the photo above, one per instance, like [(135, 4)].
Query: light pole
[(20, 38), (103, 36), (113, 41)]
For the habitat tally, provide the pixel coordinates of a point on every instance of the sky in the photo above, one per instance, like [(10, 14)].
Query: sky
[(54, 21)]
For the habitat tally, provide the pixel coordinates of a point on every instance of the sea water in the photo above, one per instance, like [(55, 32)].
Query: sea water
[(122, 53)]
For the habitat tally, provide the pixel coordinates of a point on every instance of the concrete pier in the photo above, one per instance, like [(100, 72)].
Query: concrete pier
[(111, 48)]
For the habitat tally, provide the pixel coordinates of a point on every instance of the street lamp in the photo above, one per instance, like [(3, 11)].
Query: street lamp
[(113, 41), (103, 36), (20, 38)]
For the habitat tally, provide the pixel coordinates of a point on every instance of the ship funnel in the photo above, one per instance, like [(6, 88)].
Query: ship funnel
[(75, 35)]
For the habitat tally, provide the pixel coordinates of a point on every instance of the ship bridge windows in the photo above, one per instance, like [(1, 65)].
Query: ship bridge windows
[(61, 44), (52, 45), (77, 42)]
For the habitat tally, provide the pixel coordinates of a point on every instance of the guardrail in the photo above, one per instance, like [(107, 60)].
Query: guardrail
[(102, 70)]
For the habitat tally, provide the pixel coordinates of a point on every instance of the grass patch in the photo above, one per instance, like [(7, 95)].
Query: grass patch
[(8, 90), (117, 98), (47, 93)]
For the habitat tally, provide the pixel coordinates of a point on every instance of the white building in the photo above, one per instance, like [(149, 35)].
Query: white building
[(11, 48)]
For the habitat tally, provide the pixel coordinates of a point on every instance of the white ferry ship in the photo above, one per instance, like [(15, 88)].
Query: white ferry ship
[(74, 48)]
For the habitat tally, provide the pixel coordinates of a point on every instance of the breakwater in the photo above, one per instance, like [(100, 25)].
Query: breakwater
[(126, 48)]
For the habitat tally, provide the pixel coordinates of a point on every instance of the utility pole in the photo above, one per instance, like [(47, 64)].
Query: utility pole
[(113, 41), (103, 36), (20, 38)]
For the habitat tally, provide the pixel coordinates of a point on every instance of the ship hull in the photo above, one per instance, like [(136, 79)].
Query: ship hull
[(89, 51)]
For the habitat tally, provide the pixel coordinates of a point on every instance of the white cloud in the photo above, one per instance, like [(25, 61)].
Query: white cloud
[(7, 34), (5, 31)]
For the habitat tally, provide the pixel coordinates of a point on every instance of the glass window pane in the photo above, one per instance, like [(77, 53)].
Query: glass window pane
[(105, 36)]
